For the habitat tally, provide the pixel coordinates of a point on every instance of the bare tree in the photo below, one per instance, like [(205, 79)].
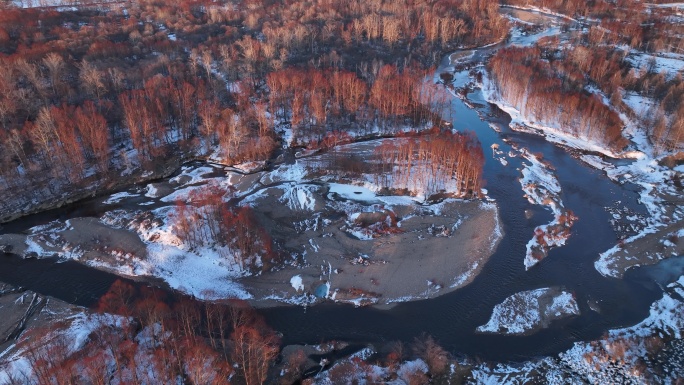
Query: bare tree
[(56, 66), (91, 79), (253, 352)]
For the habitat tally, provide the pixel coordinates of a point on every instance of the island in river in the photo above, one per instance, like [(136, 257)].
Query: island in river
[(338, 238)]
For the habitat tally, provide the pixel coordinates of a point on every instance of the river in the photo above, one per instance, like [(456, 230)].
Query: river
[(452, 318)]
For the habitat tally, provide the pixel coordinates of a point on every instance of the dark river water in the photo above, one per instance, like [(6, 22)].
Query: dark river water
[(452, 318)]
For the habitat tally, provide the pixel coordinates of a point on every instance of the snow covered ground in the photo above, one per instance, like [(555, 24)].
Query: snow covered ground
[(525, 40), (551, 131), (208, 272), (527, 311), (299, 197), (89, 348), (625, 354), (353, 370), (504, 374), (18, 367), (641, 105), (657, 194), (42, 3), (377, 249), (541, 10), (670, 63), (58, 3), (118, 197), (666, 316)]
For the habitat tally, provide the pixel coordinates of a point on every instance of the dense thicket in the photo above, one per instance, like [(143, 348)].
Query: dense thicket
[(447, 161)]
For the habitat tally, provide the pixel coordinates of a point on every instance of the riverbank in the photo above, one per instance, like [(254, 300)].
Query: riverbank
[(649, 352), (45, 196), (341, 238), (657, 175), (435, 250), (660, 235), (23, 310)]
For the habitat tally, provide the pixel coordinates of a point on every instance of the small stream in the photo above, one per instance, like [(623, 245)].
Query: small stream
[(452, 318)]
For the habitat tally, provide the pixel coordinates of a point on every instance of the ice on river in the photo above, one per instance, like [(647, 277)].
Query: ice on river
[(191, 175), (619, 357), (118, 197), (666, 315), (656, 185)]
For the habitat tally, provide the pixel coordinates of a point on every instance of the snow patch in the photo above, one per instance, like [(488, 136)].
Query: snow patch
[(351, 192), (152, 191), (118, 197), (296, 283), (299, 197)]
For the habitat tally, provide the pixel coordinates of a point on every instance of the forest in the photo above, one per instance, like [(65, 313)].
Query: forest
[(99, 95), (558, 87), (598, 59), (155, 339), (537, 89), (620, 22)]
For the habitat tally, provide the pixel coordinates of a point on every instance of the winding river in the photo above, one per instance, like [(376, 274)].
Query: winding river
[(451, 318)]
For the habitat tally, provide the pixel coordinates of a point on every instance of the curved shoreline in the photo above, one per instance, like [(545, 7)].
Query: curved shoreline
[(415, 264), (452, 239)]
